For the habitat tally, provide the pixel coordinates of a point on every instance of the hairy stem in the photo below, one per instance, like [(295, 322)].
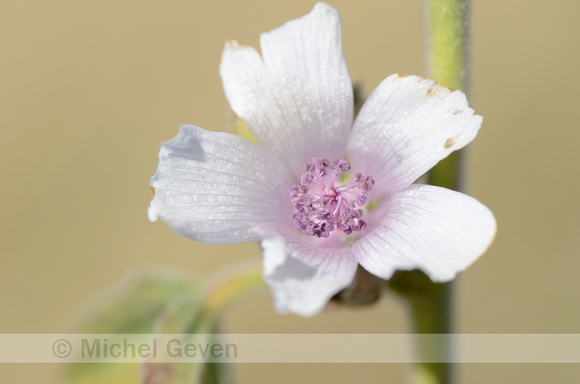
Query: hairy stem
[(448, 22)]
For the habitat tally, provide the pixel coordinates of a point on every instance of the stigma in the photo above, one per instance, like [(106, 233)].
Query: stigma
[(321, 206)]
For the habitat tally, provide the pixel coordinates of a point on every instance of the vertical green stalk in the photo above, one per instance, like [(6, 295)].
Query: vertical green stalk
[(430, 304), (448, 22), (448, 33), (430, 307)]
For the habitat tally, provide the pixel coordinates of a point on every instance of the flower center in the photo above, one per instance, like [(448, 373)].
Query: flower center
[(320, 206)]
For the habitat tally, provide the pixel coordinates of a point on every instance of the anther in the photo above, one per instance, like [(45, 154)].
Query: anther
[(320, 206)]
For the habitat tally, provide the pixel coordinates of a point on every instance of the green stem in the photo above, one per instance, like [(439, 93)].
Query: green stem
[(433, 317), (449, 38), (430, 309), (431, 304), (234, 284), (449, 60)]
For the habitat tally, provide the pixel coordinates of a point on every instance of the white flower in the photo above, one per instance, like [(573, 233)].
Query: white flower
[(297, 100)]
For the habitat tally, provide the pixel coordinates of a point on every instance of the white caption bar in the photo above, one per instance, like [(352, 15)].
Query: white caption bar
[(286, 348)]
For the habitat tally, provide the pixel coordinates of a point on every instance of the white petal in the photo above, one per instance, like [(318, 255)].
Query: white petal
[(302, 276), (407, 126), (297, 98), (436, 230), (215, 187)]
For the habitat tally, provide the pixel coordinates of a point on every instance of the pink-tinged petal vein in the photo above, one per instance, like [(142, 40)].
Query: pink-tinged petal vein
[(216, 187), (436, 230), (408, 125), (297, 98)]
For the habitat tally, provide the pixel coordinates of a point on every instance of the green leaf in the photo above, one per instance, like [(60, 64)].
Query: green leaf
[(133, 306), (185, 323), (170, 306)]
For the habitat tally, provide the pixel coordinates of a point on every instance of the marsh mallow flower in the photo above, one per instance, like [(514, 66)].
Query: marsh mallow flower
[(320, 193)]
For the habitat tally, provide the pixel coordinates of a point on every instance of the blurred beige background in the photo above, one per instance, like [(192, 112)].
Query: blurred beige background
[(90, 90)]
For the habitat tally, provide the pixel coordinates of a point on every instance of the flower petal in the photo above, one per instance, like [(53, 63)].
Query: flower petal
[(436, 230), (215, 187), (297, 99), (407, 126), (302, 276)]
